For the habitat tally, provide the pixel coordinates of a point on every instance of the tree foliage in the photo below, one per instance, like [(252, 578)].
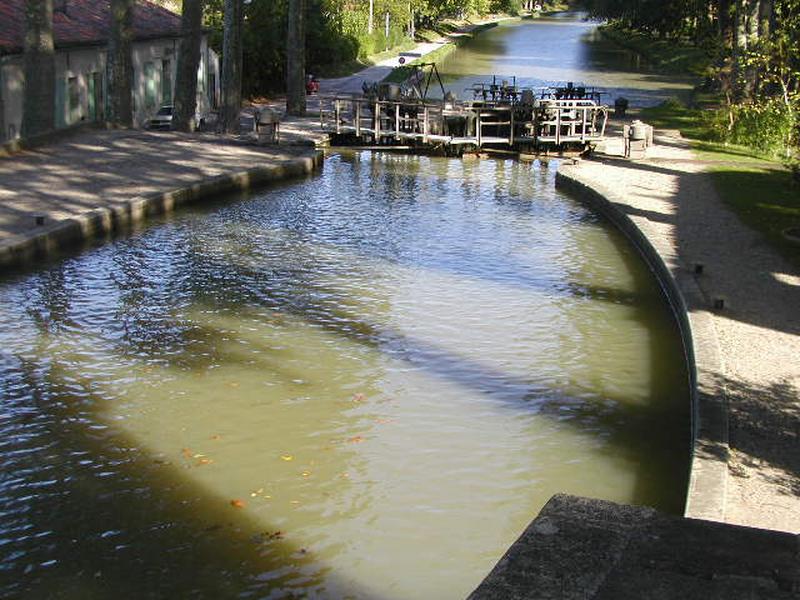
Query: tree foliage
[(336, 32), (757, 65)]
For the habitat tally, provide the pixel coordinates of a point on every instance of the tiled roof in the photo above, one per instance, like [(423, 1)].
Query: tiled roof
[(84, 22)]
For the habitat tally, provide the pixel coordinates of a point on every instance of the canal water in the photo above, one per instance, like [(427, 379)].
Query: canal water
[(556, 50), (364, 384)]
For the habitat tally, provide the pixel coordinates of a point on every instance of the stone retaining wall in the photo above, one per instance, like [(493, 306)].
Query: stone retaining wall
[(705, 497), (19, 250)]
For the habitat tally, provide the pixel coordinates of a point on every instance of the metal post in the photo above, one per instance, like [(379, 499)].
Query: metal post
[(358, 118), (478, 128), (511, 135), (336, 113), (425, 125)]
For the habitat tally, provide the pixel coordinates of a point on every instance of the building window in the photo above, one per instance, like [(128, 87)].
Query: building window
[(166, 81), (149, 85), (74, 96)]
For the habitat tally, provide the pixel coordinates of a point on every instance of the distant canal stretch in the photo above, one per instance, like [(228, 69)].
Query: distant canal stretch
[(361, 385), (553, 51)]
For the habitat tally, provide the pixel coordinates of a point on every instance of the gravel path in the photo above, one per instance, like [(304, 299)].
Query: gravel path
[(672, 200)]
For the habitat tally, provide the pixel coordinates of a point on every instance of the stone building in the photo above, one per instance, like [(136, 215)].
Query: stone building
[(80, 31)]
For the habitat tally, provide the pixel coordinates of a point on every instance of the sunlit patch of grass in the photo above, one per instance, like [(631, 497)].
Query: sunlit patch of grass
[(765, 198), (760, 189)]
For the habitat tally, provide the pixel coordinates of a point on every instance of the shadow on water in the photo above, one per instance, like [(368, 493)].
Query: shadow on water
[(114, 520), (628, 429), (180, 536)]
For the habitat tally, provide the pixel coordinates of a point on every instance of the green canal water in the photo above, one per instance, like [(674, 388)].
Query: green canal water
[(360, 385)]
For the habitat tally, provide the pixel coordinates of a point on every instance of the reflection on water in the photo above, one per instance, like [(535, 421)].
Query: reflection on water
[(363, 385), (550, 51)]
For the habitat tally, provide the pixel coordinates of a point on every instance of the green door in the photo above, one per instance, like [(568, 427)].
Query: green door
[(91, 93)]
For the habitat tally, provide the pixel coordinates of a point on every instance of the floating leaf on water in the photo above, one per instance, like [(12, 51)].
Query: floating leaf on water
[(345, 475), (306, 473), (187, 453), (236, 503), (295, 502), (383, 421), (204, 461), (356, 439), (234, 384), (359, 397), (216, 437), (287, 457)]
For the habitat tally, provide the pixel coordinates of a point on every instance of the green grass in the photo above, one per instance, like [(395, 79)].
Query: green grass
[(400, 74), (760, 189), (356, 65), (667, 55), (764, 196)]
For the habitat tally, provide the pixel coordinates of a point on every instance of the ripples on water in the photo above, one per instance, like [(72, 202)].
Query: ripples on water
[(366, 383)]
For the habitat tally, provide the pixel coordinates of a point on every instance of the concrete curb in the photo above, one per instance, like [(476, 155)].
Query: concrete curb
[(706, 494), (22, 249)]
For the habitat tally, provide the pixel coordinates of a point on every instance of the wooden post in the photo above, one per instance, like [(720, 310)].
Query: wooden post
[(397, 121), (358, 118), (377, 121), (425, 125), (511, 134), (336, 112), (558, 126), (583, 123)]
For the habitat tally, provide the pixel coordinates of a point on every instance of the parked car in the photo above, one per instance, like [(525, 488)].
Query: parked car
[(163, 118)]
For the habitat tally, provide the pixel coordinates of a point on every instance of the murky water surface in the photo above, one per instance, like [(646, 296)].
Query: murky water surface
[(361, 385)]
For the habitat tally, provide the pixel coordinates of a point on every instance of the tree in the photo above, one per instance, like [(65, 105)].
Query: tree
[(231, 79), (39, 95), (119, 64), (183, 118), (295, 59)]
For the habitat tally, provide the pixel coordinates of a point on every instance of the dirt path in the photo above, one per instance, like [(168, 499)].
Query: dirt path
[(672, 200)]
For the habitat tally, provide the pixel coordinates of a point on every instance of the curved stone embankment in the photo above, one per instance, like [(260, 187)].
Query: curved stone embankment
[(122, 202), (735, 299), (706, 495)]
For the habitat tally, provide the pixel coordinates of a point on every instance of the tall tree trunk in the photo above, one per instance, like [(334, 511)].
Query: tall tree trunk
[(765, 16), (726, 22), (119, 63), (40, 69), (296, 59), (183, 118), (231, 78), (750, 74), (739, 48)]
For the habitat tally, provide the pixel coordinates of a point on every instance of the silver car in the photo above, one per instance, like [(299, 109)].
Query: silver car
[(163, 118)]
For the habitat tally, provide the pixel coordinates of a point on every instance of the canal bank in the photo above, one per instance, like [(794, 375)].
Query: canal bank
[(736, 302), (96, 182)]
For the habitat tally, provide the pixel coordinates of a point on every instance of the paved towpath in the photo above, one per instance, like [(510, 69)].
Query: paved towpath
[(671, 198), (98, 168)]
